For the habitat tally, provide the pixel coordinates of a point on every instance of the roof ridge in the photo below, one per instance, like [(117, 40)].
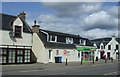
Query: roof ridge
[(60, 32), (7, 14)]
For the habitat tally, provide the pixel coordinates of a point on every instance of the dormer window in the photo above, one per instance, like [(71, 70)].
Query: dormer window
[(82, 42), (18, 31), (69, 40), (53, 38)]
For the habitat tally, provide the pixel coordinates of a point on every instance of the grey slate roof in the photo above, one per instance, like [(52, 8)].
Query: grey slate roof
[(7, 21), (53, 44), (58, 44), (62, 34)]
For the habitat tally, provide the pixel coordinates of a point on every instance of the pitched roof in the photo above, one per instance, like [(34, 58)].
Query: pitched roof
[(53, 44), (62, 34), (7, 21), (118, 40)]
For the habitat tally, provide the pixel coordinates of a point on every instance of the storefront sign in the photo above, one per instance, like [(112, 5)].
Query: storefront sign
[(86, 49), (66, 52)]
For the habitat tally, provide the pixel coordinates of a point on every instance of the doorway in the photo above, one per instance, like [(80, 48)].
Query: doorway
[(50, 55), (101, 55), (108, 55)]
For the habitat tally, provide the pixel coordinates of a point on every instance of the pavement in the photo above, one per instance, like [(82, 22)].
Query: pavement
[(39, 66)]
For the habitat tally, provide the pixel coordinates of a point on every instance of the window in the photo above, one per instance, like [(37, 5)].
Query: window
[(82, 42), (27, 56), (117, 47), (69, 40), (57, 52), (18, 31), (102, 47), (53, 38), (11, 56), (50, 52), (109, 47)]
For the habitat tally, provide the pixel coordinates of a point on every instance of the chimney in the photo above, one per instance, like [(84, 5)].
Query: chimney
[(22, 15), (113, 37), (35, 28)]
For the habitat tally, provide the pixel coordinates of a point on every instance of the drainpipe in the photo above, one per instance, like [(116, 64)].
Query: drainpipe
[(46, 34)]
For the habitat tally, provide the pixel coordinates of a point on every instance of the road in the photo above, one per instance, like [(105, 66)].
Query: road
[(99, 69)]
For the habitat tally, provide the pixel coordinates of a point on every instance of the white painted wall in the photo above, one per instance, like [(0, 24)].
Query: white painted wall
[(39, 50), (26, 40), (113, 43), (71, 57)]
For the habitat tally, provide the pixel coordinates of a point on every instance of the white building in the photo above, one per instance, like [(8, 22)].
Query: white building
[(16, 40), (108, 47)]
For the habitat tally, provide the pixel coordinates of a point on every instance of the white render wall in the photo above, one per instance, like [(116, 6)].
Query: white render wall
[(71, 57), (113, 43), (26, 40), (39, 50)]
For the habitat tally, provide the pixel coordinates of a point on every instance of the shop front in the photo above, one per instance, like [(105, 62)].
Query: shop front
[(87, 53)]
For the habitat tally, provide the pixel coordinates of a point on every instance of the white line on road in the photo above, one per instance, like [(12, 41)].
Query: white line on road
[(111, 73), (31, 70)]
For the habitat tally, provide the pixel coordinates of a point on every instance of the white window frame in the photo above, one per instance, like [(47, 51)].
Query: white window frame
[(69, 40), (51, 36)]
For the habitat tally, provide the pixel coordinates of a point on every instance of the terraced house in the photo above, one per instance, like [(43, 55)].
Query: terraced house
[(16, 40), (21, 44)]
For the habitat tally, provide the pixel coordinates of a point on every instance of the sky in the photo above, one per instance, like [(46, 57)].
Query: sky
[(88, 19)]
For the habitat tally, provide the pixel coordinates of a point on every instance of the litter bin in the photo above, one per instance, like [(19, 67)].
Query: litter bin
[(96, 58), (58, 59)]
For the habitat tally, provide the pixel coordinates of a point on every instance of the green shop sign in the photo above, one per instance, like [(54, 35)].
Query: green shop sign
[(85, 49)]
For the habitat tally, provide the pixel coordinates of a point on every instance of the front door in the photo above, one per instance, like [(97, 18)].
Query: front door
[(102, 57), (50, 55), (108, 55)]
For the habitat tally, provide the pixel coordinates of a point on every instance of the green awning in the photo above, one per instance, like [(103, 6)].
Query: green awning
[(85, 49)]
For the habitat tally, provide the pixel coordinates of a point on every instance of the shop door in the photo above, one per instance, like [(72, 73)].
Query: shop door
[(11, 56), (102, 57), (50, 55)]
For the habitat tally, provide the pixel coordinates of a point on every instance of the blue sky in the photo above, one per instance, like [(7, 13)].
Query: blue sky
[(90, 20)]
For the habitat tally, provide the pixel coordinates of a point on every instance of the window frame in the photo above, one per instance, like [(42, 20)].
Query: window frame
[(109, 47), (19, 31), (51, 37), (69, 40)]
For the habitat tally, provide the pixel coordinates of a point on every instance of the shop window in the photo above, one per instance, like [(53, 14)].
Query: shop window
[(18, 31), (117, 47), (19, 52), (11, 56), (53, 38), (109, 47), (69, 40), (27, 56)]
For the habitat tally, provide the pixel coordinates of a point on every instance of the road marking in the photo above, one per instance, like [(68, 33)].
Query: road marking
[(31, 70), (111, 73)]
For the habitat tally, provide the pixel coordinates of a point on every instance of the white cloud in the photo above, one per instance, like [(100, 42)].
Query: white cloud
[(101, 20), (99, 33)]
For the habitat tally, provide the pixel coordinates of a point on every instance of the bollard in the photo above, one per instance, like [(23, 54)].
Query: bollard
[(93, 61), (111, 59), (66, 61), (105, 60), (81, 62)]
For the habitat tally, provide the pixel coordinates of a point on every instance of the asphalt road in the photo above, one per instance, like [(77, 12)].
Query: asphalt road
[(99, 69)]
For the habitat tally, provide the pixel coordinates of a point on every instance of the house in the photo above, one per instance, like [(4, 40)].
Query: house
[(16, 40), (50, 46), (108, 47)]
